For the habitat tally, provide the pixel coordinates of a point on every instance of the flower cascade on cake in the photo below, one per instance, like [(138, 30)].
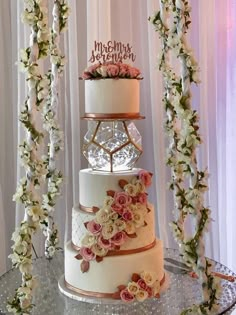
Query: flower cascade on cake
[(142, 286), (123, 212)]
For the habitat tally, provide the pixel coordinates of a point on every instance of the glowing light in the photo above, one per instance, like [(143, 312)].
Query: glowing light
[(112, 145)]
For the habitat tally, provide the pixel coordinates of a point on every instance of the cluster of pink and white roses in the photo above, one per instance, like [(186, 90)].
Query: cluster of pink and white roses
[(111, 70), (122, 213), (142, 286)]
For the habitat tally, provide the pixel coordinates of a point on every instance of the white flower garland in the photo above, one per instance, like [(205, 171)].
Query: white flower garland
[(181, 124), (39, 93), (60, 15)]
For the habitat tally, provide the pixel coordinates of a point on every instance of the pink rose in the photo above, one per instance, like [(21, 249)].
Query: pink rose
[(142, 284), (133, 72), (126, 296), (91, 72), (142, 198), (104, 243), (122, 198), (112, 71), (118, 239), (145, 177), (86, 75), (87, 253), (94, 227), (123, 70), (117, 208), (127, 215)]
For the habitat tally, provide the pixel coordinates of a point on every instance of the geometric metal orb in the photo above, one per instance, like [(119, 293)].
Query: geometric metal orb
[(112, 145)]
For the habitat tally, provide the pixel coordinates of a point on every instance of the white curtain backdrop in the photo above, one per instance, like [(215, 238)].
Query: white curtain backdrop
[(213, 37)]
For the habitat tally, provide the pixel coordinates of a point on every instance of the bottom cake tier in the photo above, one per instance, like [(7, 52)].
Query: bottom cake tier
[(103, 278)]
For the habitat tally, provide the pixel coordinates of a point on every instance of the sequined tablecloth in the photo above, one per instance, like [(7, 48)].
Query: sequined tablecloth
[(183, 291)]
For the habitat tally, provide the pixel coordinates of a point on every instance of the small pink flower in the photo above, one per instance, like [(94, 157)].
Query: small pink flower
[(145, 177), (142, 284), (126, 296), (104, 243), (123, 70), (112, 70), (122, 198), (94, 227), (127, 215), (87, 75), (142, 198), (87, 253), (117, 208), (119, 238), (133, 72)]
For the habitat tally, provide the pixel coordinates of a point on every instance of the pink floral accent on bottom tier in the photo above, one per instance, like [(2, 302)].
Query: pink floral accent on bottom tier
[(142, 286)]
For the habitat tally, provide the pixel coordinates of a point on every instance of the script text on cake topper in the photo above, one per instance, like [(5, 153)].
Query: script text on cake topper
[(112, 51)]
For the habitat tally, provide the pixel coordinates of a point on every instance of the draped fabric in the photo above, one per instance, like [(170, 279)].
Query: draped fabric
[(213, 38)]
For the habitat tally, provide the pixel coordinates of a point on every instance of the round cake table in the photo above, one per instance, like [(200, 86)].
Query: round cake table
[(183, 291)]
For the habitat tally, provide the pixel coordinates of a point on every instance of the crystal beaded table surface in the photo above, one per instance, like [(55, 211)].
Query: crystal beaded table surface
[(183, 292)]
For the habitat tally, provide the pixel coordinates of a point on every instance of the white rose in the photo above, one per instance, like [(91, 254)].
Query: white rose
[(109, 230), (131, 189), (133, 287), (113, 216), (149, 277), (138, 218), (102, 216), (108, 201), (99, 251), (120, 224), (141, 295), (88, 240)]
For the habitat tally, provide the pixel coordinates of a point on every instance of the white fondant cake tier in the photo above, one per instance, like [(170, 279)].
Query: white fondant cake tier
[(112, 96), (107, 275), (93, 185), (145, 234)]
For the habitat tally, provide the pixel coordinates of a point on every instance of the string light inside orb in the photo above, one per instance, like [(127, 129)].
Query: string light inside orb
[(112, 145)]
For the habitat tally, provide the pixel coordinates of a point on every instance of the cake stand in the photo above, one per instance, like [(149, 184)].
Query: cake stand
[(182, 292)]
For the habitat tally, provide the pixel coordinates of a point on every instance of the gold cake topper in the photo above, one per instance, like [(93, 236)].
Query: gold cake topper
[(112, 51)]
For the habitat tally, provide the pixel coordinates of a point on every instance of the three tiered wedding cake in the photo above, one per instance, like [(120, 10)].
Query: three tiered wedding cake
[(114, 252)]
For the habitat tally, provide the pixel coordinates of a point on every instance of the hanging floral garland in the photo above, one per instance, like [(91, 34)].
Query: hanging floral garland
[(54, 176), (188, 182), (39, 92)]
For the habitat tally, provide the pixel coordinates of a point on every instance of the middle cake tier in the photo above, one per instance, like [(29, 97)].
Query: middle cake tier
[(145, 234)]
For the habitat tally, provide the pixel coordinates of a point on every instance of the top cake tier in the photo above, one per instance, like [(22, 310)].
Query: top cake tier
[(112, 98), (112, 91)]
